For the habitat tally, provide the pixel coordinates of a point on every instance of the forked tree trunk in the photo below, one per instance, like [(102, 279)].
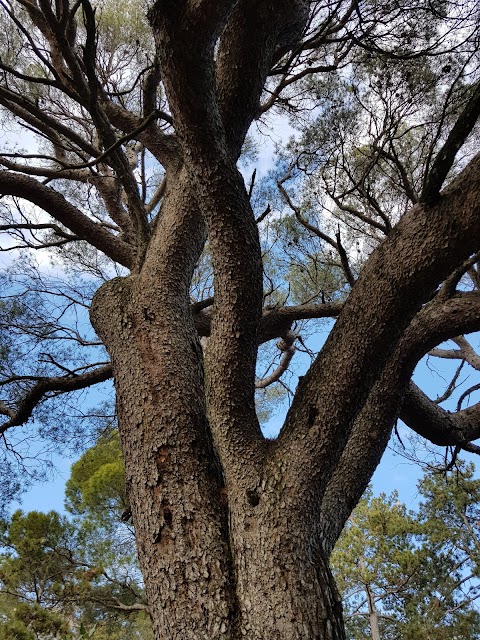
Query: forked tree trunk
[(218, 562), (228, 526)]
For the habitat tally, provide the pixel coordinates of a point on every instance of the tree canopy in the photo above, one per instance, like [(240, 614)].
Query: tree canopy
[(413, 574), (72, 576)]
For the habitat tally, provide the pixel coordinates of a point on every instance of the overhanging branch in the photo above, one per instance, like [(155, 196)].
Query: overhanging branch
[(275, 322), (438, 321), (63, 384), (446, 156), (426, 246), (56, 205), (439, 426)]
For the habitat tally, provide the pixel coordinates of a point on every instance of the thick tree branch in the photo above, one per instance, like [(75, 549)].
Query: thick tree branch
[(150, 89), (33, 115), (209, 150), (210, 14), (60, 209), (21, 414), (275, 322), (424, 248), (369, 437), (188, 67), (436, 424), (464, 352), (163, 147), (446, 156), (255, 30)]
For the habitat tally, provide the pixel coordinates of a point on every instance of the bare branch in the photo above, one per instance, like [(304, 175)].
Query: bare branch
[(437, 425), (344, 259), (33, 227), (276, 321), (133, 135), (465, 394), (452, 385), (450, 284), (163, 147), (320, 234), (465, 352), (286, 346), (22, 413), (33, 115), (264, 214), (394, 159), (56, 205)]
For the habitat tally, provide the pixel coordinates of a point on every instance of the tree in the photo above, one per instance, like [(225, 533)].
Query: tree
[(55, 579), (59, 575), (34, 569), (413, 575), (137, 129)]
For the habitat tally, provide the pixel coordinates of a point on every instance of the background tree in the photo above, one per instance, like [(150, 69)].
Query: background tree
[(56, 579), (413, 574), (133, 129)]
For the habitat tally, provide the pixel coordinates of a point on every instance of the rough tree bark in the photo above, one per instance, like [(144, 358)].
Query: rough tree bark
[(234, 531)]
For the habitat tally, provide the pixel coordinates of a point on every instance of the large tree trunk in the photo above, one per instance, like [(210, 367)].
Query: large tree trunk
[(218, 561), (283, 586), (234, 532), (173, 480), (228, 526)]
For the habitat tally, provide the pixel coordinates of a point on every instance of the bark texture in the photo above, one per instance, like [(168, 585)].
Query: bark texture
[(174, 482)]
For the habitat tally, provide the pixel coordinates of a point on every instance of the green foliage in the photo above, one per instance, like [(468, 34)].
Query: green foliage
[(123, 25), (53, 586), (420, 568), (87, 634), (31, 621), (35, 569), (97, 480), (11, 311), (300, 268), (37, 553), (95, 494)]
